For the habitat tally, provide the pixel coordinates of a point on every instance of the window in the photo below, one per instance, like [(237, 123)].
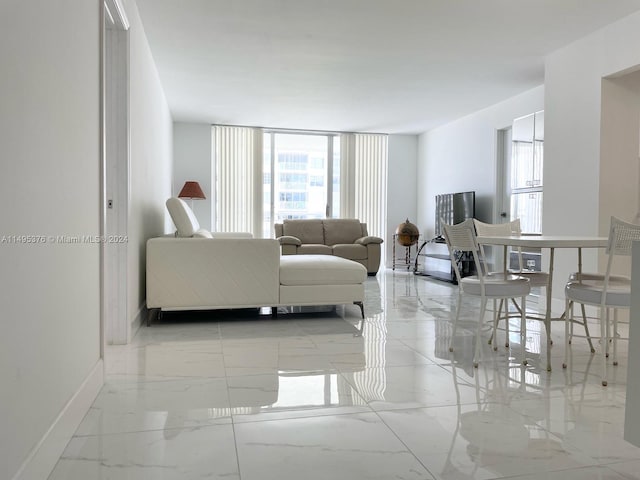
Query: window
[(520, 173), (317, 163), (293, 181), (526, 169), (291, 175), (299, 166)]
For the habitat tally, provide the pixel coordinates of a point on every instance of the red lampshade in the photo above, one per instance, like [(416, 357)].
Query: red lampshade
[(191, 190)]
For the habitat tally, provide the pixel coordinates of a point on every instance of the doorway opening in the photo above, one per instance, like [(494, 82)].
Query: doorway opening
[(115, 173)]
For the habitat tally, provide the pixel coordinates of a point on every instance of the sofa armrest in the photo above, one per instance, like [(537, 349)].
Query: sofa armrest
[(289, 240), (212, 273), (368, 240)]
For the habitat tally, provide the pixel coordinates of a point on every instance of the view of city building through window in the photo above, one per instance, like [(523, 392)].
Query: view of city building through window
[(300, 173)]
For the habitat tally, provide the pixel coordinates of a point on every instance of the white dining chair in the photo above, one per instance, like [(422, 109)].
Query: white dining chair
[(461, 239), (606, 291), (536, 279), (583, 319)]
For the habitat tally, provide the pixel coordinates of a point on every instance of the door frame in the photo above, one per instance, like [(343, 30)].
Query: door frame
[(114, 181), (502, 208)]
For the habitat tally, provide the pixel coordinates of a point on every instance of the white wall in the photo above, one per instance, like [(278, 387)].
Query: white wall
[(632, 403), (461, 156), (151, 159), (619, 154), (49, 185), (575, 122), (192, 161), (402, 188)]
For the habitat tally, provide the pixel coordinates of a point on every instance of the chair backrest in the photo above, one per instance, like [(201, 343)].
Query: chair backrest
[(621, 237), (462, 238), (497, 229)]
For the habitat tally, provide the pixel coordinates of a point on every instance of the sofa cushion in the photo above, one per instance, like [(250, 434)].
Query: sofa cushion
[(351, 251), (183, 217), (341, 230), (315, 249), (308, 231), (320, 270)]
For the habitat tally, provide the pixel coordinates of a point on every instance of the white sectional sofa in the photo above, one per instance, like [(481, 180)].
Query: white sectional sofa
[(194, 270)]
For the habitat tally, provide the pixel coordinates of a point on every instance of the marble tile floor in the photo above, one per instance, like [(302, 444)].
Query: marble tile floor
[(318, 394)]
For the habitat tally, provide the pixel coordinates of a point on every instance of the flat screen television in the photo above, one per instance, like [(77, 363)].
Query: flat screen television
[(454, 208)]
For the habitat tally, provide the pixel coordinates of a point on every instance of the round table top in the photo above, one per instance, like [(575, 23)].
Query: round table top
[(545, 241)]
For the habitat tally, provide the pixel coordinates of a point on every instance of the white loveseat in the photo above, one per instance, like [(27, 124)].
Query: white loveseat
[(194, 270)]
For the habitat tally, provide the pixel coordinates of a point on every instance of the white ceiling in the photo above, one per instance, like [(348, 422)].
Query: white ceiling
[(395, 66)]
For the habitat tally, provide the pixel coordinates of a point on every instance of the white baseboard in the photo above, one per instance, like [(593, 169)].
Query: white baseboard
[(141, 317), (43, 458)]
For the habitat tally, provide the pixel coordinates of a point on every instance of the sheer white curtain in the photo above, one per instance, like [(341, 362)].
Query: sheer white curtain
[(237, 156), (364, 180)]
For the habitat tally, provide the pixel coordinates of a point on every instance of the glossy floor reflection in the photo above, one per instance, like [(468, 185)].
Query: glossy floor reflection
[(321, 395)]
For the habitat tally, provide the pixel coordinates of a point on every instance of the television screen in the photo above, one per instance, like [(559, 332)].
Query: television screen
[(454, 208)]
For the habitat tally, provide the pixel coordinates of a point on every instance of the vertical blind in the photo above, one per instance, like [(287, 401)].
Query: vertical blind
[(370, 181), (236, 152), (239, 184)]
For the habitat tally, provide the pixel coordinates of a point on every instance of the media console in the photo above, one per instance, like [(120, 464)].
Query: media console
[(436, 262)]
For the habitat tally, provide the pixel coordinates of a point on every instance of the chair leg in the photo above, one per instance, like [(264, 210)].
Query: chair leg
[(516, 306), (483, 308), (506, 326), (523, 330), (608, 330), (496, 316), (455, 320), (586, 327), (568, 330), (566, 312), (615, 336), (605, 342)]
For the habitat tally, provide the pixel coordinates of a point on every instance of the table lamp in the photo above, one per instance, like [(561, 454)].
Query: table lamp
[(192, 190)]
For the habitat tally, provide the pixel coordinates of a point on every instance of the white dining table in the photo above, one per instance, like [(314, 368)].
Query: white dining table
[(550, 242)]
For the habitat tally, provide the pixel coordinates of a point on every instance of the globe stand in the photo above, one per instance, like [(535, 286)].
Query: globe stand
[(407, 259), (407, 236)]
